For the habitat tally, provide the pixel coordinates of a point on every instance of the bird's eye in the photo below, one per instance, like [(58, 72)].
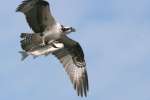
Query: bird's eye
[(62, 26), (65, 29)]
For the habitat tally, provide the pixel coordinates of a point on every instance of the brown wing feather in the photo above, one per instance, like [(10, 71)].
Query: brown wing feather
[(72, 58), (38, 14)]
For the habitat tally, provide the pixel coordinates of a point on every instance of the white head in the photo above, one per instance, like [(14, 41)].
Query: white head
[(67, 30)]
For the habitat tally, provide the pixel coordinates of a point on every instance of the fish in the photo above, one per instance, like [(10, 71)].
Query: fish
[(41, 50)]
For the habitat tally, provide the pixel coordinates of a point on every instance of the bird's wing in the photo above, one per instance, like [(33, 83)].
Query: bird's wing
[(38, 14), (72, 58)]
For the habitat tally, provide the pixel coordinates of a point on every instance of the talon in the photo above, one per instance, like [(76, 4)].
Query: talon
[(52, 42), (54, 45)]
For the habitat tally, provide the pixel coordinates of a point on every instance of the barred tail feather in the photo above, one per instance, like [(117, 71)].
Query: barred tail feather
[(29, 41), (26, 35)]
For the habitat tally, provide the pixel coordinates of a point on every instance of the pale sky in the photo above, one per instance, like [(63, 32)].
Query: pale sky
[(115, 37)]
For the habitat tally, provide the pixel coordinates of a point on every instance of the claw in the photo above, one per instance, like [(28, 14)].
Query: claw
[(52, 42), (54, 45)]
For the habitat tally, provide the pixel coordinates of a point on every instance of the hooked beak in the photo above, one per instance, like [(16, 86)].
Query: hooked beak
[(73, 29)]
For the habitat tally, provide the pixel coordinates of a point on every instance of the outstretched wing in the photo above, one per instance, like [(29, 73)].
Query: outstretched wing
[(72, 58), (38, 14)]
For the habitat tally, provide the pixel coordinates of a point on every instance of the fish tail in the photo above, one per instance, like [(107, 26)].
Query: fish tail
[(24, 55)]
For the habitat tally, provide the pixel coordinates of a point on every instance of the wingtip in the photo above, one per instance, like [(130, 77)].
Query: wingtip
[(25, 5), (83, 85)]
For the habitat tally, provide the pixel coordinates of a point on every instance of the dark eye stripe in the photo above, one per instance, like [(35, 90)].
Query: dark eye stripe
[(65, 29)]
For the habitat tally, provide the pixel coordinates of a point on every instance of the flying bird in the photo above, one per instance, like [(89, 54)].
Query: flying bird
[(46, 33)]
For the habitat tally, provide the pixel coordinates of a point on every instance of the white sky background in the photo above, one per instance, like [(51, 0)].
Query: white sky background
[(115, 36)]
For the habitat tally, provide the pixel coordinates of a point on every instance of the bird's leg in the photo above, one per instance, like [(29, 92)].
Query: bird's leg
[(43, 39), (43, 42)]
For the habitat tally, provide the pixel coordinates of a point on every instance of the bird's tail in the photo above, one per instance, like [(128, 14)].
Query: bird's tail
[(24, 55), (30, 40)]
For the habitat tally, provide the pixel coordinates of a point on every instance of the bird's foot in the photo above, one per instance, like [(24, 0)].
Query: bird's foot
[(52, 42)]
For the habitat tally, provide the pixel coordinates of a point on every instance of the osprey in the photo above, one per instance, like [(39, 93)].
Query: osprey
[(47, 32)]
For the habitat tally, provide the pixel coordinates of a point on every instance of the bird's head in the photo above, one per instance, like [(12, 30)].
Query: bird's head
[(67, 30)]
